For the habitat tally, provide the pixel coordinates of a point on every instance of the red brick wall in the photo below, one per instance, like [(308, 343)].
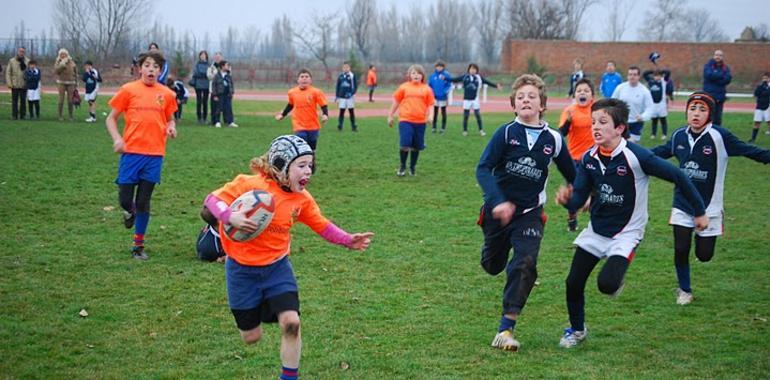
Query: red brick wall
[(747, 61)]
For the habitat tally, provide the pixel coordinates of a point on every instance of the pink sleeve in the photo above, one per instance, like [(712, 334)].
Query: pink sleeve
[(218, 208), (336, 235)]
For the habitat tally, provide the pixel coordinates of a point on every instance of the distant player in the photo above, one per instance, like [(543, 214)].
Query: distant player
[(304, 101), (762, 110), (440, 83), (513, 172), (639, 101), (577, 74), (575, 126), (91, 78), (472, 83), (702, 150), (617, 173), (610, 80), (414, 101), (662, 91), (347, 85), (32, 78), (261, 286), (371, 81), (148, 110)]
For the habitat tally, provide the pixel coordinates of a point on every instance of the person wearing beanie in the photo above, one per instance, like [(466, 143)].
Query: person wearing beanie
[(702, 149), (261, 286)]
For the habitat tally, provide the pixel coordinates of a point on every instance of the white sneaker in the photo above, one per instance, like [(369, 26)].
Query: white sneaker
[(482, 133), (682, 297), (571, 337), (465, 133), (504, 340), (90, 120), (652, 137), (767, 132), (232, 125), (663, 137), (218, 125)]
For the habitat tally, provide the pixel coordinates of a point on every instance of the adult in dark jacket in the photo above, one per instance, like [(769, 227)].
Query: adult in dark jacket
[(200, 82), (716, 77)]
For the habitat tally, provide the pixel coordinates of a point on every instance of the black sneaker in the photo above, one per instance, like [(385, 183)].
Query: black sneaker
[(572, 224), (411, 172), (138, 253), (128, 219), (400, 172)]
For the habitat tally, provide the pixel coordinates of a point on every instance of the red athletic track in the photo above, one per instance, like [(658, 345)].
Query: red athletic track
[(495, 103)]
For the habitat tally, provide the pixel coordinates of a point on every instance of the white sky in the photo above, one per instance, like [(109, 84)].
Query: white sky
[(198, 16)]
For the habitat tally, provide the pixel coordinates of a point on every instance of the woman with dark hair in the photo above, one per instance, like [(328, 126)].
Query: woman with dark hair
[(164, 70), (201, 84)]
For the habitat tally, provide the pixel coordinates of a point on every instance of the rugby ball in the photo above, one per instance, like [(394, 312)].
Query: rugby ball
[(260, 207)]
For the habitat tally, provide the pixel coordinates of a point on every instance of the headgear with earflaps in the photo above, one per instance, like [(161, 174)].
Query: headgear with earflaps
[(702, 98), (283, 151)]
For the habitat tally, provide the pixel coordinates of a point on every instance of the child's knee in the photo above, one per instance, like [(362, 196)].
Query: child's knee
[(252, 336), (290, 324), (609, 285)]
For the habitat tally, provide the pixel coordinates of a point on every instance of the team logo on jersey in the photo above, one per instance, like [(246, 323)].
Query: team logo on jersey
[(160, 99), (532, 232), (622, 170), (514, 142), (678, 147), (529, 161), (606, 196), (524, 167), (295, 214), (692, 169), (547, 149), (590, 166), (707, 150)]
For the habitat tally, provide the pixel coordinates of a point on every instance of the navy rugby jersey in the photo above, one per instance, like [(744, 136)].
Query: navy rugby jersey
[(704, 160), (472, 84), (514, 165), (620, 187)]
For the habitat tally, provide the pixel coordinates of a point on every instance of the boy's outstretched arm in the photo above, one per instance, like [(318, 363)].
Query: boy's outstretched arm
[(285, 112), (736, 147)]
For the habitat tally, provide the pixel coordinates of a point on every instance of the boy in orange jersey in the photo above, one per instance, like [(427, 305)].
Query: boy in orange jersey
[(371, 81), (148, 111), (414, 102), (575, 126), (303, 100), (261, 286)]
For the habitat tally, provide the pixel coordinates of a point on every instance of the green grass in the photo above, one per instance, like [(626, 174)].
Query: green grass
[(415, 305)]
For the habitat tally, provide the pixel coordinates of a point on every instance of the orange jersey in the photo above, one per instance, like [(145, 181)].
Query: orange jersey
[(413, 101), (371, 78), (275, 241), (579, 138), (146, 111), (305, 113)]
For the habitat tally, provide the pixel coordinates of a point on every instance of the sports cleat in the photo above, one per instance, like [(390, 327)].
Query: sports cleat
[(411, 172), (90, 120), (572, 224), (442, 131), (663, 137), (652, 137), (218, 125), (138, 253), (401, 172), (682, 297), (233, 125), (465, 133), (482, 133), (128, 219), (572, 337), (751, 141), (504, 340)]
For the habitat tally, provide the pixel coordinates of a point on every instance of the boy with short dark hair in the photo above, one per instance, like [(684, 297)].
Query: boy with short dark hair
[(32, 77), (662, 91), (181, 92), (92, 78), (616, 174), (347, 85), (441, 84), (148, 108), (222, 90), (762, 111), (303, 101)]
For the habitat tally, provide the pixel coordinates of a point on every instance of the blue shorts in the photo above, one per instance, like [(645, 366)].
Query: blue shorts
[(310, 137), (636, 128), (249, 286), (134, 167), (411, 135)]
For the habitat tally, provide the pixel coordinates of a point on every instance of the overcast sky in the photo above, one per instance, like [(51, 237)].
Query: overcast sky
[(197, 16)]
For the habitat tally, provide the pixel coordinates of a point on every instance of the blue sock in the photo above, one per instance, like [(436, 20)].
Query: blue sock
[(142, 220), (289, 373), (506, 324), (683, 275)]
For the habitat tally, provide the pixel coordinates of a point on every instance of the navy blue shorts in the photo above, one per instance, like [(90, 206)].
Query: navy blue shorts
[(209, 245), (310, 137), (249, 286), (636, 128), (411, 135), (135, 167)]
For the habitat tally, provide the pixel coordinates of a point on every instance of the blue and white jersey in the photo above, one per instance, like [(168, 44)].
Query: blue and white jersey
[(472, 85), (619, 184), (514, 165), (703, 158), (346, 85), (92, 78)]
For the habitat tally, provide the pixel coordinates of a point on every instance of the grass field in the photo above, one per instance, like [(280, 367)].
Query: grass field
[(415, 305)]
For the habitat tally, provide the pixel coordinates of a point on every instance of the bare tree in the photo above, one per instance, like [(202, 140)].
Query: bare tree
[(248, 43), (574, 10), (448, 26), (488, 23), (100, 25), (761, 32), (703, 27), (617, 19), (388, 35), (361, 21), (318, 37), (536, 19), (412, 23), (662, 22)]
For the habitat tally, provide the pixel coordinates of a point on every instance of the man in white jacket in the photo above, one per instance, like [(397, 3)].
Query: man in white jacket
[(639, 100)]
